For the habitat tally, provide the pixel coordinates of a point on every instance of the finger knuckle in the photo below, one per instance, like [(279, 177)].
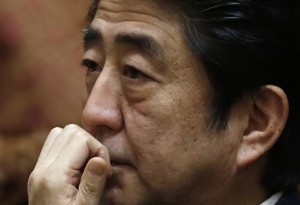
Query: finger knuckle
[(76, 132), (37, 179), (103, 150), (56, 129), (81, 138), (71, 127), (88, 189), (31, 180)]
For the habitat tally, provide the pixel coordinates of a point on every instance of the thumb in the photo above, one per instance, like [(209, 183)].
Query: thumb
[(92, 182)]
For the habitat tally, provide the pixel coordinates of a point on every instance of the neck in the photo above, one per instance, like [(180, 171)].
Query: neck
[(243, 188), (246, 187)]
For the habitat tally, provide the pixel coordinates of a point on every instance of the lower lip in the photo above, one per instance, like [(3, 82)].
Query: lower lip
[(115, 165)]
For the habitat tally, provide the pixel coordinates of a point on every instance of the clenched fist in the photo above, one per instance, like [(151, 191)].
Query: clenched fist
[(71, 170)]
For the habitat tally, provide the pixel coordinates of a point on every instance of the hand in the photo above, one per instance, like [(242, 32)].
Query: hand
[(71, 169)]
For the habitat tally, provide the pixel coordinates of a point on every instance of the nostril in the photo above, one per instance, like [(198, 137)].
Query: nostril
[(89, 118), (101, 115)]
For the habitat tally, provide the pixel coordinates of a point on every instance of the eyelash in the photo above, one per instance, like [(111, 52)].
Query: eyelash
[(90, 65), (133, 73), (129, 71)]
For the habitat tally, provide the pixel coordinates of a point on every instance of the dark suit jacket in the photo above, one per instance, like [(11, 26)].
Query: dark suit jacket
[(289, 198)]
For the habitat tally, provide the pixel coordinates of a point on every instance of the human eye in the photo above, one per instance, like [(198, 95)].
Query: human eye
[(90, 65), (134, 73)]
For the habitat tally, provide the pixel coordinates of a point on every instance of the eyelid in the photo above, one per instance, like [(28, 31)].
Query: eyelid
[(146, 69), (140, 65), (133, 68), (91, 65)]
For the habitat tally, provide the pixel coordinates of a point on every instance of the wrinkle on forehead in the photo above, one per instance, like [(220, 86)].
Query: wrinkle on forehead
[(126, 15), (146, 11), (140, 7)]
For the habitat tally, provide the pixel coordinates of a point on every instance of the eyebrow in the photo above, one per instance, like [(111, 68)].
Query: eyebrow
[(91, 36), (143, 42)]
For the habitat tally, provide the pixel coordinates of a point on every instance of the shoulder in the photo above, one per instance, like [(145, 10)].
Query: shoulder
[(289, 198)]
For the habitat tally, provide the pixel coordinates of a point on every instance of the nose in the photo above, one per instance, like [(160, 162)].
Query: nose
[(102, 109)]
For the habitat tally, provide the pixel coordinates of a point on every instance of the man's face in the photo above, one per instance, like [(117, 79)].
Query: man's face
[(148, 103)]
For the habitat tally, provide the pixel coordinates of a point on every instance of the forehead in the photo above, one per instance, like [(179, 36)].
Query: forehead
[(146, 11), (149, 7), (132, 18)]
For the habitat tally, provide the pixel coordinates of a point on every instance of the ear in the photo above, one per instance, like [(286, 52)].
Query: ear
[(267, 117)]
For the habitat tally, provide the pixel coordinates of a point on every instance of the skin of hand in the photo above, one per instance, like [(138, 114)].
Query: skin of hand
[(63, 175)]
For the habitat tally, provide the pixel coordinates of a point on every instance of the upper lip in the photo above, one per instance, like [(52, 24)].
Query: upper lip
[(119, 156), (119, 150), (117, 159)]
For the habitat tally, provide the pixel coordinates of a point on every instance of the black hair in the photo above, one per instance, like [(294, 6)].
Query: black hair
[(243, 45), (92, 11)]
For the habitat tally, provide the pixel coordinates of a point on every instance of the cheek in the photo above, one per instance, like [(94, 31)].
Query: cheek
[(177, 160), (166, 131), (171, 144), (162, 134), (166, 119), (90, 80)]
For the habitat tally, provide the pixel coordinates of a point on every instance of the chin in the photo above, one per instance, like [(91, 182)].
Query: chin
[(112, 196), (117, 196), (118, 186), (124, 187)]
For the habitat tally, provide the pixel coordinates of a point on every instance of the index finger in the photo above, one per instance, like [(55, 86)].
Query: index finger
[(50, 140), (79, 147)]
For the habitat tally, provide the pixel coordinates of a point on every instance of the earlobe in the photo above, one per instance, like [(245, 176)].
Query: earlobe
[(267, 118)]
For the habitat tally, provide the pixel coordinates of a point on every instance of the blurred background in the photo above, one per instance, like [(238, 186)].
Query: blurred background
[(41, 82)]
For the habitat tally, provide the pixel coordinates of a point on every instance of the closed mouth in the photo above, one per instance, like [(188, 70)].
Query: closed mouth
[(114, 164), (120, 161)]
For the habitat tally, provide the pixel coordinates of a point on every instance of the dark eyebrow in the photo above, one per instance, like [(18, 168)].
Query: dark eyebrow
[(144, 42), (91, 36)]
